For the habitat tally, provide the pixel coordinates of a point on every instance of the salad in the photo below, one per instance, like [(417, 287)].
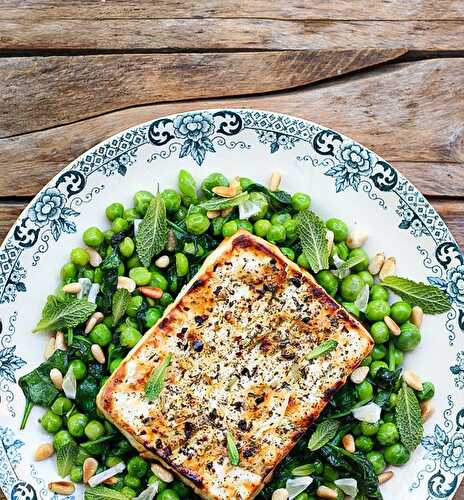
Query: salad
[(118, 284)]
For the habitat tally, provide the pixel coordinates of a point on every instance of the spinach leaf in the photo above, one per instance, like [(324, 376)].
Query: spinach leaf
[(109, 281), (98, 446), (278, 199), (86, 393), (80, 348), (387, 379)]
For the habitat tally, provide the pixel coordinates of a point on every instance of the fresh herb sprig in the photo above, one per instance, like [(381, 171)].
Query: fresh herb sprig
[(223, 203), (322, 349), (325, 431), (65, 458), (102, 493), (234, 455), (312, 233), (155, 382), (408, 418), (120, 302)]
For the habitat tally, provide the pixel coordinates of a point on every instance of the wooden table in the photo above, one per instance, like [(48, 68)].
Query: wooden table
[(390, 74)]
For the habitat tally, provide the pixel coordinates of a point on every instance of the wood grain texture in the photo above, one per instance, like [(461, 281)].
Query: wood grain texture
[(50, 91), (29, 34)]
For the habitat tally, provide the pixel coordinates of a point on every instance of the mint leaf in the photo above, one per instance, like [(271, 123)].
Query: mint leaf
[(120, 302), (65, 457), (232, 450), (348, 264), (222, 203), (312, 233), (152, 233), (408, 418), (325, 431), (321, 349), (155, 382), (430, 298), (102, 493), (303, 470), (66, 312)]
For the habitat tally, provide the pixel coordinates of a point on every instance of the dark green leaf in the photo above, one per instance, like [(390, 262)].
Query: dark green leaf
[(281, 198), (303, 470), (232, 450), (313, 236), (65, 458), (155, 382), (408, 418), (109, 281), (430, 298), (97, 446), (86, 394), (223, 203), (325, 431), (102, 493), (81, 348), (322, 349), (120, 302)]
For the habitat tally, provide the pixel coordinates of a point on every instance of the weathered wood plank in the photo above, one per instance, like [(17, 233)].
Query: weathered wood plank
[(29, 34), (291, 9), (406, 124), (49, 91)]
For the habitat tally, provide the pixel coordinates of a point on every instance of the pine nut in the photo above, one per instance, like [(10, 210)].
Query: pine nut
[(151, 291), (427, 410), (376, 263), (226, 212), (280, 494), (162, 262), (385, 476), (171, 242), (325, 492), (97, 317), (110, 481), (97, 353), (225, 191), (50, 349), (274, 181), (60, 343), (348, 443), (72, 288), (359, 374), (330, 240), (89, 468), (417, 315), (212, 214), (356, 239), (127, 283), (57, 378), (43, 452), (95, 258), (392, 326), (388, 268), (162, 473), (412, 380), (62, 487)]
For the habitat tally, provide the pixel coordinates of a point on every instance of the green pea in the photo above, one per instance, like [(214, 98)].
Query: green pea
[(378, 352), (392, 401), (291, 230), (108, 235), (130, 214), (130, 493), (328, 281), (141, 275), (127, 247), (167, 494), (129, 336), (142, 200), (301, 201), (216, 225), (342, 250), (276, 233), (399, 358), (77, 423), (190, 248), (180, 488), (244, 224), (79, 256), (166, 299), (302, 261), (197, 223), (261, 201), (377, 461), (79, 369), (94, 430), (93, 237), (364, 444), (362, 266), (76, 474), (213, 180), (158, 280), (114, 211), (62, 438), (375, 367), (132, 481), (229, 228), (387, 434), (112, 460), (350, 287), (261, 227), (161, 484), (428, 391), (339, 229), (51, 422), (134, 305), (100, 335), (61, 405), (378, 292), (87, 273), (330, 473), (377, 310), (396, 454), (68, 271), (115, 363), (152, 316), (137, 467), (182, 264), (367, 277), (288, 252), (380, 332), (351, 308), (187, 187), (409, 337), (97, 275), (367, 361), (280, 218), (400, 312), (365, 390), (119, 224)]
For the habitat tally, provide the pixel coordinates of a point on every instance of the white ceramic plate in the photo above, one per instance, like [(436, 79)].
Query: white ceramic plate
[(343, 178)]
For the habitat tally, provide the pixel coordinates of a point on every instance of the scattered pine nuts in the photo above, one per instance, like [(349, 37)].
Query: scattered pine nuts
[(330, 240), (325, 492), (89, 468), (57, 378), (60, 343), (162, 262), (62, 487), (226, 212), (225, 191), (127, 283), (151, 291), (412, 380), (348, 443), (72, 288), (212, 214), (280, 494), (43, 452), (97, 317), (95, 259), (97, 353), (356, 239), (110, 481), (50, 349), (385, 476), (162, 473), (274, 181), (392, 326), (376, 263), (427, 410), (359, 374), (417, 315), (388, 268)]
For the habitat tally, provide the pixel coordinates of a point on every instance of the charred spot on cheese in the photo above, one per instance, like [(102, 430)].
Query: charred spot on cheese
[(238, 333)]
